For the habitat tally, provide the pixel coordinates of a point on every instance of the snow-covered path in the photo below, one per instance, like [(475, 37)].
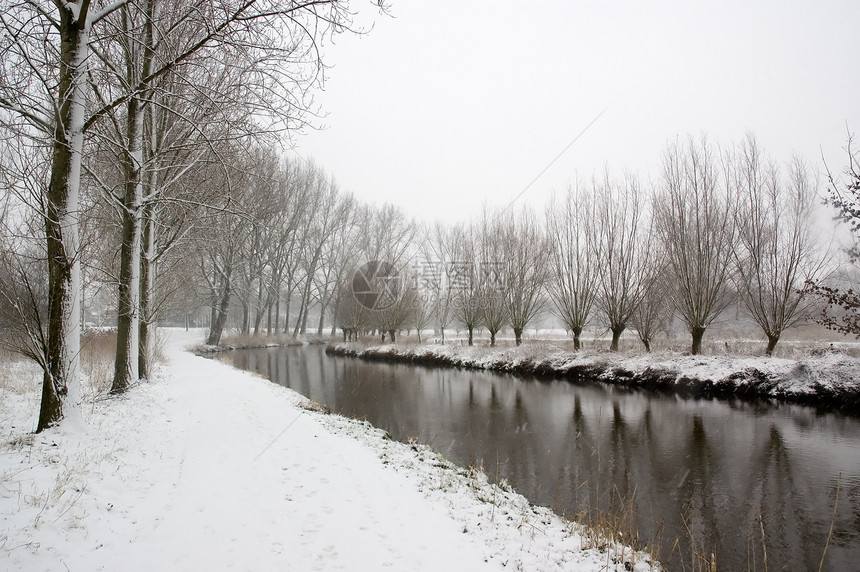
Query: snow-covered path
[(209, 468)]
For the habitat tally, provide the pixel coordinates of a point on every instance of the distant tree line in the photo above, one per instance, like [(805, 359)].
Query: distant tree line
[(719, 226)]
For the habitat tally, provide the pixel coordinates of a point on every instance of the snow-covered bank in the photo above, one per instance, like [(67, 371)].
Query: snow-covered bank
[(209, 468), (830, 379)]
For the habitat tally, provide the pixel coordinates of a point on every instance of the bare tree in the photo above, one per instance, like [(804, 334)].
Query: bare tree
[(351, 317), (328, 214), (391, 319), (339, 250), (464, 278), (695, 218), (572, 278), (526, 254), (491, 273), (654, 311), (777, 253), (439, 251), (422, 311), (43, 93), (622, 250), (387, 244), (293, 194), (222, 231)]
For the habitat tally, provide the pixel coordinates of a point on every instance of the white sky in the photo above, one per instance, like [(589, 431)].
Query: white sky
[(452, 103)]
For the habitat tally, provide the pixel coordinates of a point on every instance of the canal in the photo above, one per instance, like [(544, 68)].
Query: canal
[(753, 484)]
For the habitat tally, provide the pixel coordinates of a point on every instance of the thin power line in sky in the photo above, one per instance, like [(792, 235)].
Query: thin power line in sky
[(557, 157)]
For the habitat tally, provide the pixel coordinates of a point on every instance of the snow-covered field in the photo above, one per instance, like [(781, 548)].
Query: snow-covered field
[(209, 468), (827, 377)]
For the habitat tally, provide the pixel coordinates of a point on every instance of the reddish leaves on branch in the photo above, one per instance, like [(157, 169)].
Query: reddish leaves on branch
[(842, 310), (842, 313)]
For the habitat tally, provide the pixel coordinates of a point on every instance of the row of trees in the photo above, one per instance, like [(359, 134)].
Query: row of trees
[(720, 226), (149, 102), (139, 155)]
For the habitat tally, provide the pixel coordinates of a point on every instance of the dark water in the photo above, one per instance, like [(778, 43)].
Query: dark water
[(733, 479)]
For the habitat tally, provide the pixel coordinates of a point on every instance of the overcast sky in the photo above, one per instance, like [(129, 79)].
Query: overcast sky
[(451, 103)]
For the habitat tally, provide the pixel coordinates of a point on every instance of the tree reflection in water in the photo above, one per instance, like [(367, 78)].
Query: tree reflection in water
[(731, 478)]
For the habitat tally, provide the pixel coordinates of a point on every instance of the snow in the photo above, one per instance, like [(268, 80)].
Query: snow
[(824, 377), (209, 468)]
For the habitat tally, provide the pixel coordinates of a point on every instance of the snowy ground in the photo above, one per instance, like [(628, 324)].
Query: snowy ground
[(208, 468), (826, 377)]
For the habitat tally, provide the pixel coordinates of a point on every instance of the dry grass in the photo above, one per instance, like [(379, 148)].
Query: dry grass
[(98, 351), (17, 374), (256, 340), (613, 526)]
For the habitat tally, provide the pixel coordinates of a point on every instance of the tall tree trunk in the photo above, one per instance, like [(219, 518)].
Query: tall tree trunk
[(223, 308), (772, 340), (298, 325), (147, 260), (287, 303), (246, 315), (471, 331), (518, 335), (697, 333), (303, 330), (213, 309), (126, 365), (147, 280), (128, 302), (321, 322), (303, 308), (334, 315), (261, 308), (577, 338), (617, 330), (61, 380)]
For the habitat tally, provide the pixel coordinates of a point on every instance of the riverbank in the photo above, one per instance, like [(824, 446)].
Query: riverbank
[(827, 378), (207, 467), (249, 342)]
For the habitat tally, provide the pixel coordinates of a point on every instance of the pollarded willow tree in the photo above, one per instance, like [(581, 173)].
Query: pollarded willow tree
[(777, 252), (464, 278), (572, 275), (622, 248), (526, 251), (439, 255), (491, 272), (654, 312), (694, 215)]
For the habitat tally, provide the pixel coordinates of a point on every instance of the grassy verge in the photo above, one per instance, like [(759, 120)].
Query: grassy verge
[(239, 341)]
